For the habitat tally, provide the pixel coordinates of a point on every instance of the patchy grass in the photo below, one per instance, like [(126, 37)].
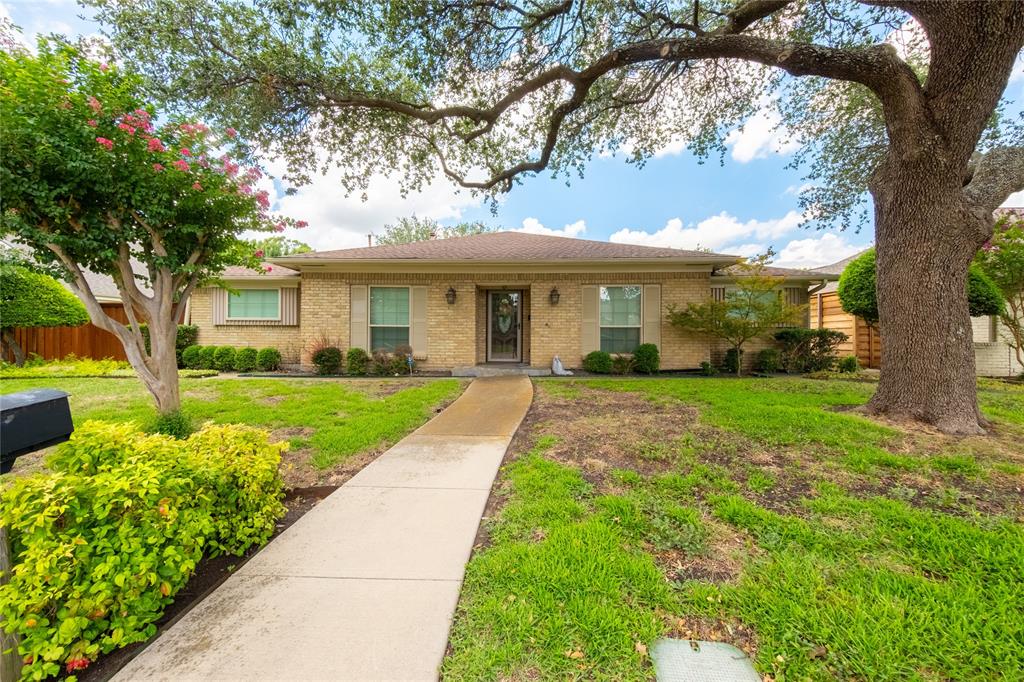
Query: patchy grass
[(327, 422), (766, 513)]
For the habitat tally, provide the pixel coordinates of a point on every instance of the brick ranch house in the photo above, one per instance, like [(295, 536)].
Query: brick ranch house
[(502, 298)]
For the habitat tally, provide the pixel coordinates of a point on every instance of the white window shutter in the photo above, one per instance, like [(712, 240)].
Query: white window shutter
[(359, 329), (652, 315), (220, 306), (590, 334), (418, 322)]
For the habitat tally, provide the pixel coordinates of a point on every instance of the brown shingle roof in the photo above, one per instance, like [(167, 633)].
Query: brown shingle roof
[(508, 246), (233, 271), (771, 271)]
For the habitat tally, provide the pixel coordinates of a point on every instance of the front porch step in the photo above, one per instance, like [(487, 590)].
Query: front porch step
[(498, 371)]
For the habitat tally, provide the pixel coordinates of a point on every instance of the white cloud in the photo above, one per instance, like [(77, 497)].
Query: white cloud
[(761, 135), (1015, 200), (534, 226), (337, 221), (814, 252), (713, 233)]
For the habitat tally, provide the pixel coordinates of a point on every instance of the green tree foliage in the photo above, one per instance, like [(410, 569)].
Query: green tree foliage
[(1002, 259), (90, 180), (116, 526), (752, 307), (414, 229), (857, 290), (277, 246), (32, 299)]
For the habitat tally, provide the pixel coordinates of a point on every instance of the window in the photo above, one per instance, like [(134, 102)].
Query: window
[(255, 304), (389, 317), (620, 319)]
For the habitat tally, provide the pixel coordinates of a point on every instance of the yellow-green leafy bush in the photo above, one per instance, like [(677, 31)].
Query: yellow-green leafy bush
[(103, 541)]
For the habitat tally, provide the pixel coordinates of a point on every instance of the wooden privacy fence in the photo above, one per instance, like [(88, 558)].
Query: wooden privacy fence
[(862, 340), (85, 341)]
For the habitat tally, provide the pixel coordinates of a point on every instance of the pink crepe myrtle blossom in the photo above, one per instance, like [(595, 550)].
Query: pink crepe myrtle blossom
[(279, 227), (94, 104), (158, 167), (301, 223), (104, 67), (181, 164), (126, 128), (185, 151), (245, 190), (155, 145), (263, 198), (197, 187), (267, 268), (231, 132), (258, 253), (92, 123), (104, 142)]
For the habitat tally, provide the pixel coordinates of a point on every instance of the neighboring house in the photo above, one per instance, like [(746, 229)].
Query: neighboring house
[(992, 355), (507, 298)]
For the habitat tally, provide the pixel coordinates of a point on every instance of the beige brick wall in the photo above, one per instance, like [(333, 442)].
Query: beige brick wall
[(993, 357), (285, 339)]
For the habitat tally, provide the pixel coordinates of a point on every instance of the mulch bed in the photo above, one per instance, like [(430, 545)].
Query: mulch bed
[(210, 573)]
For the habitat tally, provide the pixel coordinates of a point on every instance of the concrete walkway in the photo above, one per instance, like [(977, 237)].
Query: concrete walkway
[(364, 586)]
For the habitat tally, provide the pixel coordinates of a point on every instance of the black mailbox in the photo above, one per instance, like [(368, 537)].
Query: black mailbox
[(30, 421)]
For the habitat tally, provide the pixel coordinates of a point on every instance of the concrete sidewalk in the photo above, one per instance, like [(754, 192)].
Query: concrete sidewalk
[(364, 586)]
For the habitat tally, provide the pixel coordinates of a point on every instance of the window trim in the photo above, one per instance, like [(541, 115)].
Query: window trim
[(639, 326), (227, 309), (369, 313)]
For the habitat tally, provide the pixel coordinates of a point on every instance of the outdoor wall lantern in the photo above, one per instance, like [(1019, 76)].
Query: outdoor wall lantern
[(450, 296), (555, 296)]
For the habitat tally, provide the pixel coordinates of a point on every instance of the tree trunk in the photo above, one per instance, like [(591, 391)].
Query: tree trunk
[(11, 342), (164, 363), (926, 238)]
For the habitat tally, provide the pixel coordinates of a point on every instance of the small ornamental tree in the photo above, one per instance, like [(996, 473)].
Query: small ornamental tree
[(91, 181), (753, 308), (32, 299), (857, 290), (1002, 259)]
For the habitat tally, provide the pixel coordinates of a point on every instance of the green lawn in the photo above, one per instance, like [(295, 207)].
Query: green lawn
[(327, 421), (764, 513)]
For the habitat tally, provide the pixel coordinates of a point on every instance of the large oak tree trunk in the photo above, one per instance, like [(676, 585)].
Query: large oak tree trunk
[(926, 238)]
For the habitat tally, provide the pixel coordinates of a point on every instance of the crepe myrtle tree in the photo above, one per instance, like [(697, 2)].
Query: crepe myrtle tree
[(1002, 259), (90, 181), (899, 99)]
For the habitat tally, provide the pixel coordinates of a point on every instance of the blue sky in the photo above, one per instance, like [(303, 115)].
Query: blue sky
[(743, 206)]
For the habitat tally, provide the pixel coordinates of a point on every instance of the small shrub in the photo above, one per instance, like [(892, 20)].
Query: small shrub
[(206, 359), (190, 357), (357, 361), (707, 369), (848, 365), (598, 362), (622, 364), (85, 583), (647, 358), (327, 360), (224, 359), (400, 360), (733, 358), (268, 360), (768, 361), (245, 359), (380, 363), (808, 350), (174, 424)]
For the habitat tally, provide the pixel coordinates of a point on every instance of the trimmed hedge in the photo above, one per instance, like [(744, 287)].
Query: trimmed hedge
[(245, 359), (190, 357), (327, 360), (206, 357), (598, 362), (224, 359), (357, 361), (768, 361), (268, 360), (102, 542), (646, 358), (32, 299)]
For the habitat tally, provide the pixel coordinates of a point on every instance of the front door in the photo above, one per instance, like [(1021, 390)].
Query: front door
[(504, 326)]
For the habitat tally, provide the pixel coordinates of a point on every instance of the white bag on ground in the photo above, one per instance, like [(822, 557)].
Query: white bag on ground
[(558, 370)]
